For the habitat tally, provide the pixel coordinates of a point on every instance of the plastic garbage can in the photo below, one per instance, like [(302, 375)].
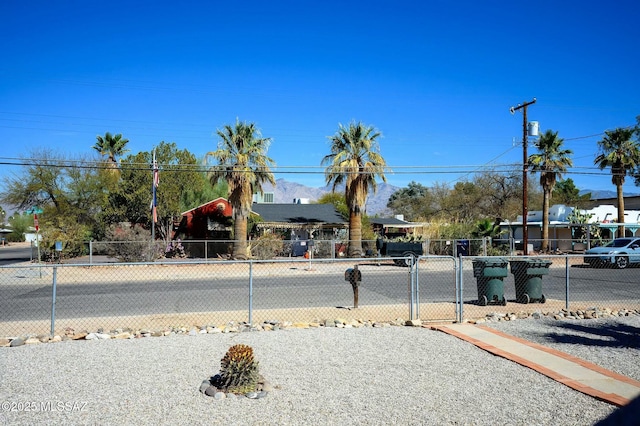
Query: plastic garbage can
[(489, 273), (527, 274)]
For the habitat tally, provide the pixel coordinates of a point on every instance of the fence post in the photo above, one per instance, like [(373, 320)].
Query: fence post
[(250, 293), (458, 265), (90, 252), (53, 301), (411, 290), (566, 281), (417, 281)]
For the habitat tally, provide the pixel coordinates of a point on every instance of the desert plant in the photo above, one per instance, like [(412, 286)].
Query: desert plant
[(239, 370), (129, 243), (175, 249), (267, 246)]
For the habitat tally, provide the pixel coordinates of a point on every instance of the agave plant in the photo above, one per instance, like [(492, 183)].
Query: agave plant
[(239, 370)]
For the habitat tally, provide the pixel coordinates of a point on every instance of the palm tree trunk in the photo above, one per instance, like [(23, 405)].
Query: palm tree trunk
[(546, 195), (240, 237), (355, 235), (620, 209)]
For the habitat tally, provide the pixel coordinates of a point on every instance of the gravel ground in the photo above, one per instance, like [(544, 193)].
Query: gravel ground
[(323, 376)]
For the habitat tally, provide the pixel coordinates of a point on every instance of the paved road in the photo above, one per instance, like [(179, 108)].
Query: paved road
[(15, 253), (24, 295)]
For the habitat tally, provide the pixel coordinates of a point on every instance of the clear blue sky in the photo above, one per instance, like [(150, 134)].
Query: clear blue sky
[(437, 78)]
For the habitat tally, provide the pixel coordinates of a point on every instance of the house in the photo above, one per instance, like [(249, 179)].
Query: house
[(208, 226), (562, 230), (303, 224), (392, 227), (300, 221)]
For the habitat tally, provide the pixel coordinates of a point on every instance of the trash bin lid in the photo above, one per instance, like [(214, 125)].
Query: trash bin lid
[(491, 262)]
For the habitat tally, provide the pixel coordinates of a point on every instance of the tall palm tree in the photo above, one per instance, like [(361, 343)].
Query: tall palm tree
[(355, 160), (112, 146), (550, 161), (243, 164), (622, 154)]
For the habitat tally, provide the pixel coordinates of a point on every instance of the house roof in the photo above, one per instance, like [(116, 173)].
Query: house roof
[(392, 222), (208, 203), (298, 213)]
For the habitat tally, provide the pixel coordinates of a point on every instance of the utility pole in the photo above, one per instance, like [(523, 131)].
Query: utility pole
[(525, 169)]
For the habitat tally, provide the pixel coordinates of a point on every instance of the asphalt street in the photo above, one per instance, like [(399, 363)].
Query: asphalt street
[(25, 294)]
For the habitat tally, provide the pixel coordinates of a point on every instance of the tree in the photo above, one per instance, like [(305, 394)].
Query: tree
[(65, 191), (567, 193), (179, 175), (550, 161), (243, 164), (413, 202), (338, 201), (20, 224), (622, 155), (112, 146), (356, 162)]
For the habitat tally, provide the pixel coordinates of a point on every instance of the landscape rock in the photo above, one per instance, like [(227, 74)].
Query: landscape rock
[(17, 342)]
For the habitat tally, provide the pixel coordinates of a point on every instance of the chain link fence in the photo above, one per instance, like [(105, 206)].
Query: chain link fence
[(564, 283), (56, 298), (275, 248), (157, 297)]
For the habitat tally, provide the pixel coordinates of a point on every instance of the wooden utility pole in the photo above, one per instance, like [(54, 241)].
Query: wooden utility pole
[(525, 170)]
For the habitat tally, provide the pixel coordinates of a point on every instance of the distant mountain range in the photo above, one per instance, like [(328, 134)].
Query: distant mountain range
[(599, 195), (286, 191)]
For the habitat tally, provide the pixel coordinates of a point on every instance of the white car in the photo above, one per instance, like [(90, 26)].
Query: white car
[(620, 253)]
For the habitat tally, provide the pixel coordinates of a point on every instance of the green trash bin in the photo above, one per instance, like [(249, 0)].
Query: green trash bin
[(527, 274), (489, 273)]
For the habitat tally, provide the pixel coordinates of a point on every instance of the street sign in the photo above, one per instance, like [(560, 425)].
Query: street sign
[(35, 222)]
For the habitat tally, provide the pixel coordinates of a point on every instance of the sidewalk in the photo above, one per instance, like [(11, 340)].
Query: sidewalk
[(576, 373)]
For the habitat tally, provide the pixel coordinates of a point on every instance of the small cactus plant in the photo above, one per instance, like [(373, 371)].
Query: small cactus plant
[(239, 370)]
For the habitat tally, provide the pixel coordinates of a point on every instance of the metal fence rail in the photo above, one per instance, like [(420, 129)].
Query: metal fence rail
[(144, 251), (156, 297)]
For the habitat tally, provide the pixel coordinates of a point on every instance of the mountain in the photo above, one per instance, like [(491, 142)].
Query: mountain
[(597, 194), (286, 191)]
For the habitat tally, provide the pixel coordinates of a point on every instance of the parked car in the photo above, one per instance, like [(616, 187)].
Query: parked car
[(620, 253)]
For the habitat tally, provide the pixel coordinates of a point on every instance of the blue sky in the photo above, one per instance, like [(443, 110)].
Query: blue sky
[(437, 78)]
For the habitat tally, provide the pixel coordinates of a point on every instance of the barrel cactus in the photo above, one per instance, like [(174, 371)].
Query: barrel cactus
[(239, 370)]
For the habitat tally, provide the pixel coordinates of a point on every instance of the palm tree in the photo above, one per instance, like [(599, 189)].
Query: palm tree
[(355, 161), (622, 154), (112, 146), (244, 166), (551, 161)]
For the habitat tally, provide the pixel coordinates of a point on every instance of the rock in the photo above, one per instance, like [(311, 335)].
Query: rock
[(122, 335), (251, 395), (32, 341), (5, 343), (56, 339), (79, 336), (19, 341), (193, 332), (414, 323), (211, 391), (329, 323), (261, 394), (220, 395), (103, 336), (204, 386)]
